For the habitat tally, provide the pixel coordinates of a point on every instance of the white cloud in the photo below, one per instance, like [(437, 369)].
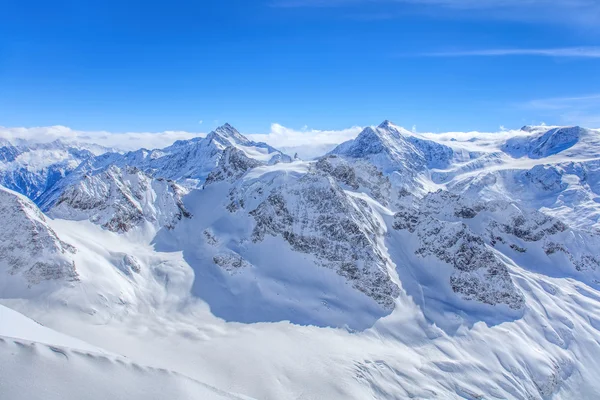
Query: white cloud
[(579, 52), (308, 143), (120, 141)]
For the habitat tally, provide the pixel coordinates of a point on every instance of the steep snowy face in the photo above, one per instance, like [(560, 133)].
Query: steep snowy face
[(31, 250), (314, 215), (29, 349), (463, 255), (8, 152), (402, 155), (544, 144), (356, 175), (346, 216), (233, 164), (189, 162), (33, 168), (120, 199)]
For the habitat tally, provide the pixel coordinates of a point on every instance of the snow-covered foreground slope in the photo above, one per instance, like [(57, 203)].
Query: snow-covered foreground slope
[(550, 351), (398, 266), (39, 363)]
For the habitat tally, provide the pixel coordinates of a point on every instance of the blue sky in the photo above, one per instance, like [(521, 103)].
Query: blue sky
[(439, 65)]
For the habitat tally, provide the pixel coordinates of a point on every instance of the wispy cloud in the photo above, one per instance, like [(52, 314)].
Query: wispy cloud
[(557, 11), (571, 110), (458, 4), (573, 52), (561, 103)]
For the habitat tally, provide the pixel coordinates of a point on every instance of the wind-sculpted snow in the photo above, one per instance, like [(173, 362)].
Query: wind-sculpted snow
[(40, 363), (29, 248), (121, 199)]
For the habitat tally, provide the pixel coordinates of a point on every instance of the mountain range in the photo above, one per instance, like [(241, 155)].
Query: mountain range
[(398, 265)]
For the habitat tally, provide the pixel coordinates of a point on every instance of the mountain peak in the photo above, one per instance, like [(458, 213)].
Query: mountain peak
[(386, 124), (230, 134), (227, 129)]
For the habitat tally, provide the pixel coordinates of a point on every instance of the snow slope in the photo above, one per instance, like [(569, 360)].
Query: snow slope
[(39, 363)]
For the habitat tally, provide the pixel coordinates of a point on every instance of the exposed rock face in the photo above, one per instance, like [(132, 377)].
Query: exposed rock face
[(231, 262), (533, 227), (121, 199), (479, 274), (127, 264), (554, 237), (28, 246), (233, 164), (315, 216), (356, 175), (509, 228)]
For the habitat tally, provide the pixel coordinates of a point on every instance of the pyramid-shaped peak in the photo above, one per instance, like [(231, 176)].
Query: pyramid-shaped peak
[(386, 124), (227, 128), (389, 128), (229, 133)]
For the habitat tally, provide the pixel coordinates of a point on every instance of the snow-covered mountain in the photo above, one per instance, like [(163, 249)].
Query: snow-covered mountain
[(121, 199), (400, 154), (32, 168), (399, 265), (187, 162), (31, 251), (190, 161)]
